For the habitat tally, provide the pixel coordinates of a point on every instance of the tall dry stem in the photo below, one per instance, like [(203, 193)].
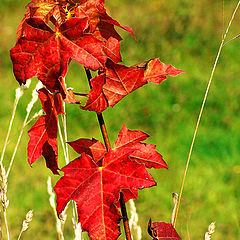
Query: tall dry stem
[(4, 200), (28, 110), (202, 107), (18, 95), (59, 223)]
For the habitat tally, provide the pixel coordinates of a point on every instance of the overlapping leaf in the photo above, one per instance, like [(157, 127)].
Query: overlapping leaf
[(162, 230), (100, 23), (118, 81), (95, 190), (45, 53), (43, 134)]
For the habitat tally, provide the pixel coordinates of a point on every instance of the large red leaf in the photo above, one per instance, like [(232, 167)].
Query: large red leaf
[(43, 134), (95, 190), (162, 231), (46, 54), (118, 81)]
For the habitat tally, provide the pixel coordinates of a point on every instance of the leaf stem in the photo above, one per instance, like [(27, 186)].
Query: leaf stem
[(108, 147)]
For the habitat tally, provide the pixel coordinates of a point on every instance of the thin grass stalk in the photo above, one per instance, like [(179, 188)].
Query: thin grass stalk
[(4, 200), (29, 108), (66, 156), (201, 110), (6, 224), (59, 223), (18, 94)]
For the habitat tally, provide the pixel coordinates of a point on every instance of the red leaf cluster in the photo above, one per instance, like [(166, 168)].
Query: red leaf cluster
[(43, 134), (83, 32)]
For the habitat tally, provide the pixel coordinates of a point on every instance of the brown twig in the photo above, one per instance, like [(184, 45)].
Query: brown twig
[(108, 146)]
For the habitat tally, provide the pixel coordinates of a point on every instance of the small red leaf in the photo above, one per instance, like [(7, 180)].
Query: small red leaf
[(120, 81), (43, 134), (96, 99), (92, 147), (157, 71), (128, 138), (162, 230), (112, 50)]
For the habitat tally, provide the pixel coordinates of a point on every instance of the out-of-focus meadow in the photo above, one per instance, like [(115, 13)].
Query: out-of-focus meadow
[(184, 33)]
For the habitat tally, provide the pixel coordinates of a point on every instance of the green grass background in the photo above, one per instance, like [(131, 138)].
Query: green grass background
[(184, 33)]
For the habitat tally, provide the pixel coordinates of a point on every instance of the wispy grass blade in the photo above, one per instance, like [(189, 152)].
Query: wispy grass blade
[(202, 108), (29, 108)]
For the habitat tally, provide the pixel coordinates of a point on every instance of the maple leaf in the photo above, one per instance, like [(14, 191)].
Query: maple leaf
[(95, 190), (117, 81), (43, 134), (46, 54), (162, 230), (142, 153)]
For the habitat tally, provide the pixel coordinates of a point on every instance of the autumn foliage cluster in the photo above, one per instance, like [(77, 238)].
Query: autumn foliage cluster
[(84, 32)]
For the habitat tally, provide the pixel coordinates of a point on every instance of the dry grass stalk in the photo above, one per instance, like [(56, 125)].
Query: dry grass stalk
[(133, 222), (211, 230), (18, 95), (26, 222), (29, 108), (202, 108), (4, 200), (59, 222), (77, 230)]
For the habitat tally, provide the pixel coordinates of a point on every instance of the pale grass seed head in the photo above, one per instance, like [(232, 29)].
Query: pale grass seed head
[(211, 230), (28, 219), (34, 96), (77, 230), (4, 186), (133, 222)]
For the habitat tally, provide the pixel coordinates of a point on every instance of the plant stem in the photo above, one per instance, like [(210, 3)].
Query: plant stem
[(125, 217), (108, 147)]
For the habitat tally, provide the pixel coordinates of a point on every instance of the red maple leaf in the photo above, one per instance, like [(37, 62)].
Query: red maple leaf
[(141, 152), (95, 190), (46, 54), (117, 81), (162, 230), (43, 134), (100, 23)]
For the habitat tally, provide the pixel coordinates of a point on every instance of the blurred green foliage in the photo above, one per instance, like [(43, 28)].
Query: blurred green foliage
[(186, 34)]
